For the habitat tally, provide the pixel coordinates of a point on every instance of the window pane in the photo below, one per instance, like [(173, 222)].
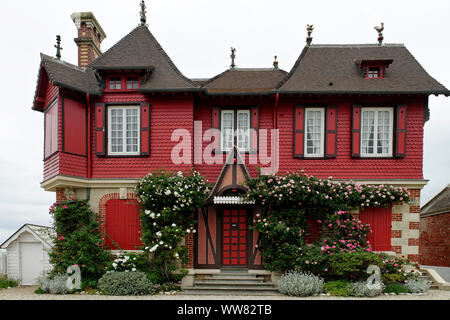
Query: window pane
[(376, 131), (132, 130), (314, 132), (115, 84), (227, 130), (243, 130), (116, 130)]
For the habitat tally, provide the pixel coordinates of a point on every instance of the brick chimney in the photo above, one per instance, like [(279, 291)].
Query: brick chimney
[(90, 36)]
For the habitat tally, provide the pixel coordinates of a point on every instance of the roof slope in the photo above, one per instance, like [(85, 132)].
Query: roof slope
[(139, 49), (41, 233), (70, 76), (241, 81), (439, 203), (334, 68)]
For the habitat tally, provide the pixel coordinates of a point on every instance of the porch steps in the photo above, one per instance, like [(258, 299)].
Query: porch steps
[(425, 276), (232, 282)]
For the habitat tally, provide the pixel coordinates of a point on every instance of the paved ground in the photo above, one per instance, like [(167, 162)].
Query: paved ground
[(27, 293), (444, 272)]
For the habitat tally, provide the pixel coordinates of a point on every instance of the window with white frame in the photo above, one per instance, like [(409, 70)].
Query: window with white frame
[(376, 132), (314, 132), (123, 130), (235, 124)]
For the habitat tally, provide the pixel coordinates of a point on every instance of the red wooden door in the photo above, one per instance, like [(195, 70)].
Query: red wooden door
[(123, 227), (234, 237), (380, 220)]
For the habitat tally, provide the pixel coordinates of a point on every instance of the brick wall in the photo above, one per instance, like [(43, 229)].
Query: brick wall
[(434, 246), (405, 227)]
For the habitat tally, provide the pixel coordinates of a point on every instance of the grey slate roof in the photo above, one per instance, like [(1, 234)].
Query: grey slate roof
[(241, 81), (70, 76), (439, 203), (320, 65), (139, 49)]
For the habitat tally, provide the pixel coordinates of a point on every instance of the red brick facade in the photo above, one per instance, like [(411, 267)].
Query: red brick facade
[(434, 245)]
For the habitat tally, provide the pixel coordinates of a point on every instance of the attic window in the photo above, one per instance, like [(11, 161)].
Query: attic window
[(374, 73), (115, 83), (374, 69), (132, 83)]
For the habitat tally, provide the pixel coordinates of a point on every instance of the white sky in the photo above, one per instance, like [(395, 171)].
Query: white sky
[(197, 35)]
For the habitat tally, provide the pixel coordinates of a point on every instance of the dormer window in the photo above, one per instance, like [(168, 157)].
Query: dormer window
[(374, 72), (374, 69), (115, 84), (132, 83)]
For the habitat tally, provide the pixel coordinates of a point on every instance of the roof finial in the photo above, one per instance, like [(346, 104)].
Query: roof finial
[(143, 12), (380, 33), (275, 63), (58, 47), (233, 56), (309, 29)]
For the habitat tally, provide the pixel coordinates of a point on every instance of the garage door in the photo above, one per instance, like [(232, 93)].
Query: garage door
[(380, 220), (32, 264)]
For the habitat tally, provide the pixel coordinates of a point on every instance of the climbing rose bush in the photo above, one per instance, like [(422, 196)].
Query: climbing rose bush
[(283, 230), (298, 190), (78, 240), (169, 202), (347, 234)]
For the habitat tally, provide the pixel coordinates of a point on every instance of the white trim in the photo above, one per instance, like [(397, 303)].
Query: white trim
[(231, 200), (322, 133), (124, 130), (375, 154)]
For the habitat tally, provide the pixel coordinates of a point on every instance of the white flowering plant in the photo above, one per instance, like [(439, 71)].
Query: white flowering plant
[(128, 262), (169, 202)]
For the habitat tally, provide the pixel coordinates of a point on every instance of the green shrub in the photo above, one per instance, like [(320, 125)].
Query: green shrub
[(125, 283), (6, 283), (352, 265), (294, 283), (360, 289), (312, 259), (392, 277), (340, 288), (418, 286), (395, 288)]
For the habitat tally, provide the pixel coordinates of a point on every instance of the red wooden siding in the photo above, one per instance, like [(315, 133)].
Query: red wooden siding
[(51, 130), (380, 220), (122, 224), (74, 127), (100, 129)]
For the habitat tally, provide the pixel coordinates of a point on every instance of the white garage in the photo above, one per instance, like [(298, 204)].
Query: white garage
[(27, 253)]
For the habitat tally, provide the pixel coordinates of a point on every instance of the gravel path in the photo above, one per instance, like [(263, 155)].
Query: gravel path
[(27, 293)]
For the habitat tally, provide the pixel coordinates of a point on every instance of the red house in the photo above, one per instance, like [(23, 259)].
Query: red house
[(347, 111)]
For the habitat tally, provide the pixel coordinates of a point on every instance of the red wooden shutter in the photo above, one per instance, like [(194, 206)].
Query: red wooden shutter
[(100, 129), (145, 129), (356, 131), (380, 220), (331, 132), (299, 131), (400, 132), (254, 125), (216, 125)]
